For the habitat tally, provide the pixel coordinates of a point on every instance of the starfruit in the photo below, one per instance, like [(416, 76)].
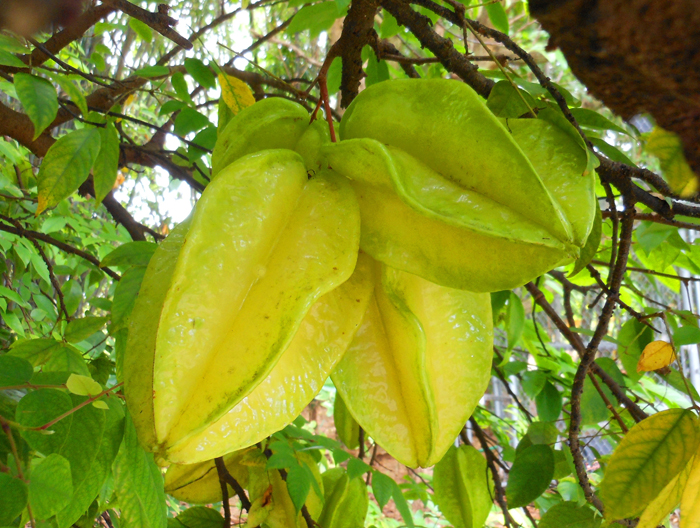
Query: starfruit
[(451, 193), (346, 427), (346, 500), (463, 487), (256, 276), (418, 365), (199, 483), (273, 123)]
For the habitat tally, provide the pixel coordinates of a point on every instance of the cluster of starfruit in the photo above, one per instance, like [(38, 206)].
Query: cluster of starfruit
[(369, 260)]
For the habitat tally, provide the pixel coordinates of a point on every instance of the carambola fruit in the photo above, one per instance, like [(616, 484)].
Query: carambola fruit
[(265, 245), (418, 365), (346, 500), (451, 193)]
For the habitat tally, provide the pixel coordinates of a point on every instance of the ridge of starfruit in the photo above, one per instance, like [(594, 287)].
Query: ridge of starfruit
[(449, 192), (418, 365)]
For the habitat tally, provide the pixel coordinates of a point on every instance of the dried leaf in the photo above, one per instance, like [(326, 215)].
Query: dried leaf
[(656, 355)]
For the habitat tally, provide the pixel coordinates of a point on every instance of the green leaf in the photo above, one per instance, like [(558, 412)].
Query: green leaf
[(125, 296), (346, 427), (93, 465), (592, 119), (153, 71), (570, 515), (549, 403), (390, 27), (515, 320), (377, 70), (201, 517), (36, 351), (189, 120), (66, 165), (533, 382), (632, 338), (171, 106), (298, 485), (13, 498), (180, 85), (8, 59), (40, 407), (592, 242), (141, 29), (498, 16), (88, 438), (611, 152), (462, 487), (593, 407), (505, 102), (650, 455), (14, 371), (137, 253), (138, 484), (107, 162), (402, 506), (530, 475), (72, 91), (79, 329), (357, 468), (315, 17), (39, 99), (83, 385), (334, 75), (686, 335), (382, 487), (201, 73), (50, 486), (66, 359)]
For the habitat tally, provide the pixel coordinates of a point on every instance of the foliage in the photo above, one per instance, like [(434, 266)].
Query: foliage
[(108, 126)]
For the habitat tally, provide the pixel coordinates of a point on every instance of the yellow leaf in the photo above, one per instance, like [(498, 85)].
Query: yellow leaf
[(236, 94), (656, 355), (690, 502)]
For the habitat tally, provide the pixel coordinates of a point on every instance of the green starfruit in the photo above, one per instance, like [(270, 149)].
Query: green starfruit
[(418, 365), (346, 500), (451, 193), (463, 487), (255, 277)]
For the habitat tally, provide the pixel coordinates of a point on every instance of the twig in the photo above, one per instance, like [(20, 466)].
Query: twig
[(26, 233), (158, 21), (222, 471), (637, 413), (588, 357), (18, 462), (498, 487)]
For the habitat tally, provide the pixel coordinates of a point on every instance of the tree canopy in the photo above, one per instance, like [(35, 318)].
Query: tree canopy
[(110, 113)]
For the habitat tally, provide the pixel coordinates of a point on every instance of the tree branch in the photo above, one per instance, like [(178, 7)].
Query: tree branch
[(26, 233)]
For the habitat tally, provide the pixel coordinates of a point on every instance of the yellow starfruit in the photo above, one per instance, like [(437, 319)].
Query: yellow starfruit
[(418, 365), (273, 123), (451, 193), (266, 245), (199, 483)]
